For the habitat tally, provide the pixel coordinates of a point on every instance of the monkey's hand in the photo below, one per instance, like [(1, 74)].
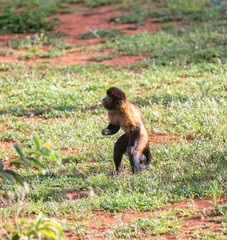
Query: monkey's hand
[(111, 129), (105, 131), (131, 150)]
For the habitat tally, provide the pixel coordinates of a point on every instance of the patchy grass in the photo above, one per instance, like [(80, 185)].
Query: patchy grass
[(144, 227), (186, 46), (131, 18), (102, 33), (182, 93), (193, 107), (34, 45), (97, 3)]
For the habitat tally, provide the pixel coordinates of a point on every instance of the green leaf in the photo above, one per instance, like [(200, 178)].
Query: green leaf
[(35, 152), (37, 142), (4, 194), (23, 161), (35, 163), (55, 157), (6, 176), (18, 149), (16, 237), (1, 165), (18, 178), (49, 233)]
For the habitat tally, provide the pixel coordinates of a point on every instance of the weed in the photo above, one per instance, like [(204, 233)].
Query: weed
[(99, 58), (221, 210), (26, 21), (143, 227), (96, 3), (5, 52), (36, 39), (96, 33), (35, 43), (133, 18), (207, 235), (163, 19)]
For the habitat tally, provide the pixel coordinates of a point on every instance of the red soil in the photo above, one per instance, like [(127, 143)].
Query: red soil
[(197, 215), (78, 23), (161, 138), (200, 209)]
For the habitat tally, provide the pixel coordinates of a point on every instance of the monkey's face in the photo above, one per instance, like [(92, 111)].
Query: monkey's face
[(111, 102)]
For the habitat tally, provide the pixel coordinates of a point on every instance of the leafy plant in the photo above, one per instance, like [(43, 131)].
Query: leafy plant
[(12, 177), (33, 155), (99, 58), (41, 227), (26, 21), (32, 160)]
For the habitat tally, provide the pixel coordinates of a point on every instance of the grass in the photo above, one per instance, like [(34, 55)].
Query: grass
[(178, 171), (132, 18), (198, 44), (144, 227), (26, 21), (102, 33), (34, 45), (182, 92)]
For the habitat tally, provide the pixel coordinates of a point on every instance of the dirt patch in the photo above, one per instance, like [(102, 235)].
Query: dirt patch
[(201, 211), (161, 138), (196, 215), (5, 128), (80, 22), (6, 145), (73, 195)]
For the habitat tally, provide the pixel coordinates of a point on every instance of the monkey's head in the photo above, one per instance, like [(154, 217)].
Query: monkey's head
[(114, 99)]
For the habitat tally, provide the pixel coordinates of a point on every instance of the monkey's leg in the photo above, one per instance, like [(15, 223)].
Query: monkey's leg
[(135, 162), (147, 154), (134, 137), (119, 149), (143, 159)]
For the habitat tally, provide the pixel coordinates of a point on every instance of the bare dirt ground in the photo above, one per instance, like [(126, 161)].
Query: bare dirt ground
[(73, 25)]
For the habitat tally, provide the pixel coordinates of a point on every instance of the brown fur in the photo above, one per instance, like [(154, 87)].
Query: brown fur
[(128, 117)]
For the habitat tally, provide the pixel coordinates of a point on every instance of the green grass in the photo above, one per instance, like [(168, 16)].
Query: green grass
[(198, 44), (26, 21), (34, 45), (144, 227), (132, 18), (96, 33), (181, 91), (97, 3), (207, 235), (194, 107)]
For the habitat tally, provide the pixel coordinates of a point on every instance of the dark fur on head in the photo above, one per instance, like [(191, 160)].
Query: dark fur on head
[(117, 93)]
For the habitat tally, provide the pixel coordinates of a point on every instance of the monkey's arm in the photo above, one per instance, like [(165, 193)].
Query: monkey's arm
[(133, 139), (110, 130)]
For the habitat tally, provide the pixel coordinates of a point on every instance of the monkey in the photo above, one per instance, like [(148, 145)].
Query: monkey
[(127, 116)]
